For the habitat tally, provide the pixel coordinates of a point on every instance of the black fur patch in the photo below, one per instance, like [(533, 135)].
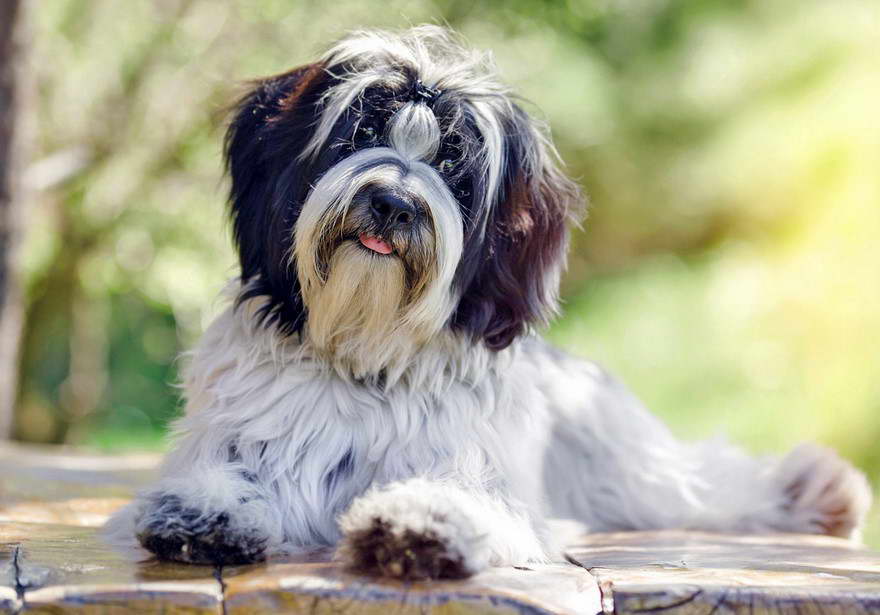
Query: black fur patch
[(412, 556), (271, 125), (183, 534), (341, 472), (502, 276)]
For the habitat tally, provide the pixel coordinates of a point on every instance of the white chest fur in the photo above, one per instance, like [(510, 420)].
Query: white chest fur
[(320, 439)]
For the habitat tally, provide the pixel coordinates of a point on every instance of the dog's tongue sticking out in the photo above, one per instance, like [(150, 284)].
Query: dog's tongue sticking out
[(375, 244)]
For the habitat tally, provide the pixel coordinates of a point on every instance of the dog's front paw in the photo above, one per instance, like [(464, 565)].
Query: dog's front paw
[(404, 554), (823, 494), (412, 531), (176, 532)]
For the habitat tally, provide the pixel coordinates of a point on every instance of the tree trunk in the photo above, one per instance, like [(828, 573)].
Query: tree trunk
[(11, 59)]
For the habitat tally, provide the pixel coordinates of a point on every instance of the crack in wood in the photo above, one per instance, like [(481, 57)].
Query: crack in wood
[(606, 588), (720, 602), (218, 575), (16, 573), (606, 593), (671, 605)]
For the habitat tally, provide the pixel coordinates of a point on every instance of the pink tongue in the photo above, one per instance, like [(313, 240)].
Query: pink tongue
[(375, 244)]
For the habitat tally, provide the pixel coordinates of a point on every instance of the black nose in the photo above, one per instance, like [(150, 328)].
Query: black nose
[(390, 210)]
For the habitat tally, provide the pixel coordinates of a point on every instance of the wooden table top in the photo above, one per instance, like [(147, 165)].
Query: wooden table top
[(54, 560)]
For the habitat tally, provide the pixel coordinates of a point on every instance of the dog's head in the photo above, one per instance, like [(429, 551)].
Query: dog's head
[(393, 190)]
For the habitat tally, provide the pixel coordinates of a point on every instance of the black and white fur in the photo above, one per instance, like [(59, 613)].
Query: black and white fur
[(399, 406)]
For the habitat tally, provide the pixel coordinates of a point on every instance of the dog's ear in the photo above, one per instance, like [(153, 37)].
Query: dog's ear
[(515, 284), (270, 126)]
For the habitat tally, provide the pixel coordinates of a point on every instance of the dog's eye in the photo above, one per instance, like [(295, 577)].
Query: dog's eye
[(367, 133), (447, 166)]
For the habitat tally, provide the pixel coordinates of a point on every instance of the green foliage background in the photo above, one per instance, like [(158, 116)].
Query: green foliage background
[(728, 270)]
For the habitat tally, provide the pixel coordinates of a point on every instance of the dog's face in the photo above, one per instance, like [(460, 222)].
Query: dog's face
[(391, 191)]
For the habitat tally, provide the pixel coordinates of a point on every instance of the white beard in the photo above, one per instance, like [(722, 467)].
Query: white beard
[(354, 326)]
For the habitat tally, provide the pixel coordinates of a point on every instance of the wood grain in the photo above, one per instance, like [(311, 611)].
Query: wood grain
[(324, 588), (694, 572)]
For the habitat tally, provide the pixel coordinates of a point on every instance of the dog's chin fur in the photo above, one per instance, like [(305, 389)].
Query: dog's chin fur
[(353, 325), (399, 405)]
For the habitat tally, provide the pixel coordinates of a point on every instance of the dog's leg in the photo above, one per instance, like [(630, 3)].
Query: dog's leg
[(207, 516), (421, 529), (811, 490), (614, 466)]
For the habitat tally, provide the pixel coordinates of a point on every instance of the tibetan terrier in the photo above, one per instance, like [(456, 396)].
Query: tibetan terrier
[(376, 383)]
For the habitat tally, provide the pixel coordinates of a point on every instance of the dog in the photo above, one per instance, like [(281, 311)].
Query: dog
[(376, 384)]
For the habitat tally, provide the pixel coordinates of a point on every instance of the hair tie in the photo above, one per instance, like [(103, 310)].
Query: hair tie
[(422, 93)]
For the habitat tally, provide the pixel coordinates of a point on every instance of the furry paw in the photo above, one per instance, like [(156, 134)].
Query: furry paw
[(411, 531), (823, 494), (173, 531), (406, 555)]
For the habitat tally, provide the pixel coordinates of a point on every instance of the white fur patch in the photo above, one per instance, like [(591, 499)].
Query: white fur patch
[(414, 132)]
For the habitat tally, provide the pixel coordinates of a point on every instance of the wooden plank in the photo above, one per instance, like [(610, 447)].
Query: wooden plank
[(52, 473), (47, 567), (55, 568), (59, 485), (10, 601), (693, 572), (322, 587), (87, 512), (68, 568)]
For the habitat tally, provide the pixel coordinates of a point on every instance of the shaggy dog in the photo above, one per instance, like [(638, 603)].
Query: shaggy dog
[(376, 383)]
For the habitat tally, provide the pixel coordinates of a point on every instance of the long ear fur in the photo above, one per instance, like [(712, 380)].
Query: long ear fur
[(271, 125), (515, 282)]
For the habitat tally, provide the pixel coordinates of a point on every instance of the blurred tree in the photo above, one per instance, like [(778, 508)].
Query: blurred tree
[(11, 56)]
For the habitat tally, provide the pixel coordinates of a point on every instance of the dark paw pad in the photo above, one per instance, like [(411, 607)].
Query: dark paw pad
[(179, 533), (410, 556)]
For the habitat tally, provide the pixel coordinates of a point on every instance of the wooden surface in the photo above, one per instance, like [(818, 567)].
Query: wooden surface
[(53, 560), (693, 572)]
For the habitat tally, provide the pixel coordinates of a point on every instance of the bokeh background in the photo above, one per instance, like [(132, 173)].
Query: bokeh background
[(729, 270)]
